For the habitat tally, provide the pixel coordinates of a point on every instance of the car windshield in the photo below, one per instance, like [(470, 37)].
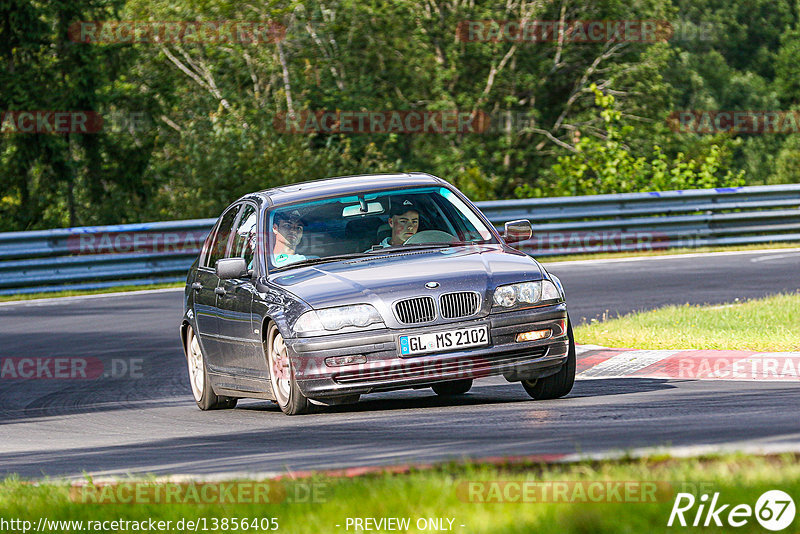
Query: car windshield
[(371, 223)]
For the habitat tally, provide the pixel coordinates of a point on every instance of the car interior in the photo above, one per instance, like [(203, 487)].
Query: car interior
[(328, 232)]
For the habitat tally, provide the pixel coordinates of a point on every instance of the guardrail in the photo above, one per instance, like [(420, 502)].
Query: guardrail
[(149, 253)]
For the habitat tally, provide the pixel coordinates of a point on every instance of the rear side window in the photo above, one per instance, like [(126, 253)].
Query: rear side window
[(220, 242), (244, 239)]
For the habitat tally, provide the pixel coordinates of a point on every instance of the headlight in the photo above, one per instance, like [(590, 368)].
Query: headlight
[(505, 296), (333, 319), (525, 293), (529, 292)]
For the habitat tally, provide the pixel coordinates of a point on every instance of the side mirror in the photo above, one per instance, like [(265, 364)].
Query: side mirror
[(516, 231), (231, 268)]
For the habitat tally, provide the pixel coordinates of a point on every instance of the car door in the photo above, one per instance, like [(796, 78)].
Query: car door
[(206, 286), (240, 344)]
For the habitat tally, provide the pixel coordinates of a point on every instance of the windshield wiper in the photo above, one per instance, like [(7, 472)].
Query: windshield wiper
[(466, 243), (401, 248), (422, 246), (326, 259)]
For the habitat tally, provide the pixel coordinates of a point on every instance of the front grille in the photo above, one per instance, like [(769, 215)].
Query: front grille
[(416, 310), (455, 305)]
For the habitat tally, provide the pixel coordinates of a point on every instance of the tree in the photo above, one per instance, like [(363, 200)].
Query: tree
[(606, 165), (69, 178)]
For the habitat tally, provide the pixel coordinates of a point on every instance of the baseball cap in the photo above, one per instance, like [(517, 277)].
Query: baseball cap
[(291, 216), (401, 206)]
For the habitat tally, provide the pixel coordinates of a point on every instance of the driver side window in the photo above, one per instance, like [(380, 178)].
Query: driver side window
[(244, 239)]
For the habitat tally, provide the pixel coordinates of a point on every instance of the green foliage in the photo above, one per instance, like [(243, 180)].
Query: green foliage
[(629, 495), (787, 163), (211, 108), (606, 165), (61, 179)]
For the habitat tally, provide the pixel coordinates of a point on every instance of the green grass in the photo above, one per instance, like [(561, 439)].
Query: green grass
[(769, 324), (73, 293), (666, 252), (442, 493)]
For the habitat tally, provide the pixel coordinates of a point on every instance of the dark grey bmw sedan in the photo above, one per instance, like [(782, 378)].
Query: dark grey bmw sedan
[(315, 293)]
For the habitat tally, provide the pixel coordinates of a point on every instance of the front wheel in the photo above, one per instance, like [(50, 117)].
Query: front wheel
[(282, 377), (559, 384), (202, 392)]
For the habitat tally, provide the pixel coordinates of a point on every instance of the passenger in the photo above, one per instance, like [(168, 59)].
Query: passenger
[(288, 230), (404, 222)]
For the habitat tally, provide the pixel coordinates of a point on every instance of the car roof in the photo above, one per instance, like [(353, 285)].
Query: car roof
[(344, 185)]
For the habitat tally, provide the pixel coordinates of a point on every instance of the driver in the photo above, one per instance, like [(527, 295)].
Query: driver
[(404, 222), (288, 230)]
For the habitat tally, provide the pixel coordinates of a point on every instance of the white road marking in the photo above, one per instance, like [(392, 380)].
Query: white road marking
[(626, 363), (580, 349), (669, 257), (772, 258), (56, 300)]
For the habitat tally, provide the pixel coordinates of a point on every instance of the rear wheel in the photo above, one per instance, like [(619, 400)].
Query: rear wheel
[(456, 387), (559, 384), (202, 392), (281, 374)]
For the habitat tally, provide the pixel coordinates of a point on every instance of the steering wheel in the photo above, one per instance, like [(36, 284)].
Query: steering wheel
[(430, 236)]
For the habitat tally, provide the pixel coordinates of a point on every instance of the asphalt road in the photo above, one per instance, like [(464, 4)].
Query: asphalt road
[(143, 420), (620, 286)]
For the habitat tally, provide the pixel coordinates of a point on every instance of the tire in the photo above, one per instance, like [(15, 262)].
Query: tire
[(281, 376), (202, 391), (559, 384), (456, 387)]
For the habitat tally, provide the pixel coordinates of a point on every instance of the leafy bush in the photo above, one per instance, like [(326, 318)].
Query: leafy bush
[(607, 165)]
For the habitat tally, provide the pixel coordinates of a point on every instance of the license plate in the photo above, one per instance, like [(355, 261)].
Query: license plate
[(441, 341)]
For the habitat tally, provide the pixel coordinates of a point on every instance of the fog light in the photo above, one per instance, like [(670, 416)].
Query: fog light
[(533, 335), (336, 361)]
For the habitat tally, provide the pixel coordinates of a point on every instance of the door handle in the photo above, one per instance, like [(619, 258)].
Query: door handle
[(220, 291), (197, 286)]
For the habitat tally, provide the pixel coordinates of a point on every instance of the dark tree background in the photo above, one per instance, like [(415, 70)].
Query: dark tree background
[(190, 126)]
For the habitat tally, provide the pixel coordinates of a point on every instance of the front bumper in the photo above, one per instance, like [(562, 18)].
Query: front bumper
[(386, 370)]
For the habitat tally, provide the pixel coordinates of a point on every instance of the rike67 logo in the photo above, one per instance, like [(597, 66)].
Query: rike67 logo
[(774, 510)]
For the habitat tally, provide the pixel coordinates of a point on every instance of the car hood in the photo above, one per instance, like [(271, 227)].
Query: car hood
[(387, 278)]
